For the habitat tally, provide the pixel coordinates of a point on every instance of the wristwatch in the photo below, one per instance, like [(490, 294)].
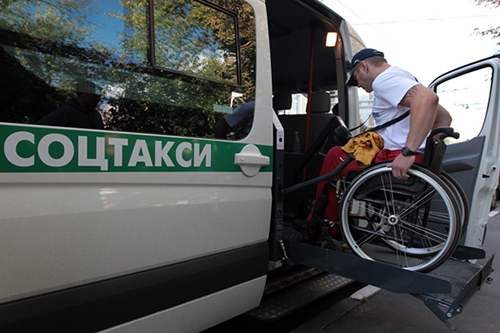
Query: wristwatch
[(408, 152)]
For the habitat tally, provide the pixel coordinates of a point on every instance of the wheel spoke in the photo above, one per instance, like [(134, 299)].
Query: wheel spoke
[(416, 220)]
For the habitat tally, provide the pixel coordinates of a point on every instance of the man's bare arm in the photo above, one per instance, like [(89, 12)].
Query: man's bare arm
[(424, 107), (443, 117), (423, 104)]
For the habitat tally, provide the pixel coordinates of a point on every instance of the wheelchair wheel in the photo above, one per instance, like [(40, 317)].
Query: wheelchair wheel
[(413, 224)]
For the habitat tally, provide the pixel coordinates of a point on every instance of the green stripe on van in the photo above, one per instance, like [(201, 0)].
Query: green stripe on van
[(45, 149)]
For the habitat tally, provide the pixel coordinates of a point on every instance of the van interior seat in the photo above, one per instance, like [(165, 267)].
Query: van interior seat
[(282, 100), (320, 102), (296, 204), (320, 115)]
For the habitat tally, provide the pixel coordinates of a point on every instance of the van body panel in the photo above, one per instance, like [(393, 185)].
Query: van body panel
[(71, 195)]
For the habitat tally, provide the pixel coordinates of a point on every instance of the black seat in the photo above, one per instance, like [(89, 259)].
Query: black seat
[(282, 100)]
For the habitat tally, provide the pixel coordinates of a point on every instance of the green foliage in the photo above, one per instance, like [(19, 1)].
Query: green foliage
[(57, 20), (47, 45)]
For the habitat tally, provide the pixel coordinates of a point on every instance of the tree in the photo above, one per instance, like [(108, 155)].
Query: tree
[(492, 3), (494, 32)]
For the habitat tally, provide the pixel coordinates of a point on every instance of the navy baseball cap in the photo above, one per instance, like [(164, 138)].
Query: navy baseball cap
[(358, 57)]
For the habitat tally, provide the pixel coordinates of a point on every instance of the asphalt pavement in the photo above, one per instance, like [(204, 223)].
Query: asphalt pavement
[(372, 310)]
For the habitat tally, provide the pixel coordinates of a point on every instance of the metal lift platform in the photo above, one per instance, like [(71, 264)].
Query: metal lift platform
[(444, 290)]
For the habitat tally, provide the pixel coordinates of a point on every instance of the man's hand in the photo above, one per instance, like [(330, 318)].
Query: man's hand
[(400, 166)]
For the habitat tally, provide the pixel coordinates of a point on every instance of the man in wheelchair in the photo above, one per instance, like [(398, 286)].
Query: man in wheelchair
[(396, 92)]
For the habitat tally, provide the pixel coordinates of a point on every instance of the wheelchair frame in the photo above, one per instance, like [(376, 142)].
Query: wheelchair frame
[(414, 224)]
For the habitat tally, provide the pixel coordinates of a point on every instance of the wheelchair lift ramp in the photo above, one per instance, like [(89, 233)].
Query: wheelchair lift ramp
[(465, 279), (445, 290)]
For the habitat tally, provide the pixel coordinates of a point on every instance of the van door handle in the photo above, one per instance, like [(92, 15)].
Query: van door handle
[(250, 160)]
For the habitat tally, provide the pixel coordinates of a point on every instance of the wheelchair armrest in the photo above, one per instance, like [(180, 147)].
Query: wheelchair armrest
[(446, 132), (454, 135)]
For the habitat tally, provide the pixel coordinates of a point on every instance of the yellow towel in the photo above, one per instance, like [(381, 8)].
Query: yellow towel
[(364, 147)]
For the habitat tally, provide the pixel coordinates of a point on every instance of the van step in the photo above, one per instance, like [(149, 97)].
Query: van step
[(280, 303)]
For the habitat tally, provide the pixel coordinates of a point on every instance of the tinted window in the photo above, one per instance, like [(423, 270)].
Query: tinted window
[(48, 48), (201, 39)]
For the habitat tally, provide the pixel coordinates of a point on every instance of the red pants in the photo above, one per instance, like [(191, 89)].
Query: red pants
[(332, 160)]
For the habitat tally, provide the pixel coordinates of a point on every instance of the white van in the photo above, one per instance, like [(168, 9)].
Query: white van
[(145, 220)]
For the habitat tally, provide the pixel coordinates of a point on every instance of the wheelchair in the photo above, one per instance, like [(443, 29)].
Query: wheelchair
[(414, 224)]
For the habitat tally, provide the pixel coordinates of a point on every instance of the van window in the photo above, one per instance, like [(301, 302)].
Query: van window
[(299, 104), (202, 40), (365, 109), (174, 74), (466, 99)]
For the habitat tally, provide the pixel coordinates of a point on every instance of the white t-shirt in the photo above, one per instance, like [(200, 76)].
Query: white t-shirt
[(389, 88)]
